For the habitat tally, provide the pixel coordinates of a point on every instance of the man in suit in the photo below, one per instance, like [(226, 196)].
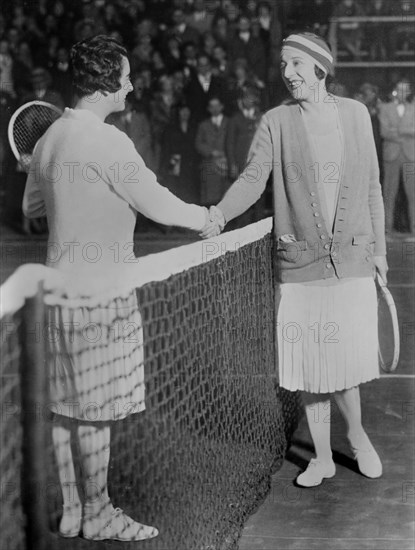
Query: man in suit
[(241, 130), (397, 128), (181, 30), (210, 144), (202, 86), (246, 46)]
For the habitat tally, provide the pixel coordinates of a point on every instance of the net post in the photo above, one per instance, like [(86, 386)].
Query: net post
[(34, 391)]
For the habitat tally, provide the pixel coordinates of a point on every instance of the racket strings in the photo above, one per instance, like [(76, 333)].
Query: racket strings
[(30, 125)]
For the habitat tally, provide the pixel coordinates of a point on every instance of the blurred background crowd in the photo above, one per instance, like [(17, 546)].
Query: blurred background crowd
[(203, 72)]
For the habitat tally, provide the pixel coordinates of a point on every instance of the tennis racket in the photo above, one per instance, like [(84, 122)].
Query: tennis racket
[(388, 327), (27, 125)]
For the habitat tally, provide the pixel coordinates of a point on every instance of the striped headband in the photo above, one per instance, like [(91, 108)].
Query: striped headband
[(315, 47)]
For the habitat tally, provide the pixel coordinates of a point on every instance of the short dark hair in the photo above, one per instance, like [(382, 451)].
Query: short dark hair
[(320, 74), (97, 65)]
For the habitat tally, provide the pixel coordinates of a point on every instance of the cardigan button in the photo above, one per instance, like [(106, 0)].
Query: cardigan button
[(334, 254), (313, 204), (327, 246), (319, 225), (316, 214), (313, 194), (328, 266), (323, 237)]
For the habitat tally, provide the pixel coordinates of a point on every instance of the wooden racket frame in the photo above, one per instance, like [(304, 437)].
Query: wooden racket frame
[(17, 113), (395, 325)]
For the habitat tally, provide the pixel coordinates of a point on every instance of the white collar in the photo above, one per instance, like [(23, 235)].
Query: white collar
[(217, 120), (249, 113)]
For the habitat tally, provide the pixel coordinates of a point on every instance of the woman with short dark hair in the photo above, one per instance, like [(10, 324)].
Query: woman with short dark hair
[(90, 182)]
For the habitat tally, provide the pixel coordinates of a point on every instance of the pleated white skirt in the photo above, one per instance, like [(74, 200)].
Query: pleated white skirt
[(96, 360), (327, 335)]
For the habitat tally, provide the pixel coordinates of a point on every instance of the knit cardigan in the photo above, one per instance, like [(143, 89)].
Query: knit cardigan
[(306, 248)]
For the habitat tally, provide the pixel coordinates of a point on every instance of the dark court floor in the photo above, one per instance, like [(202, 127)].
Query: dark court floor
[(350, 511)]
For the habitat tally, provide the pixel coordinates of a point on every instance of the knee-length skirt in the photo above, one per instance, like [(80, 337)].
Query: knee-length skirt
[(96, 360), (327, 335)]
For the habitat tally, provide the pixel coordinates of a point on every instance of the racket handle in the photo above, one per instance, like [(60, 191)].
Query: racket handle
[(380, 281)]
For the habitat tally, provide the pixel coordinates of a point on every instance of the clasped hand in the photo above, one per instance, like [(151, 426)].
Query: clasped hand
[(214, 224)]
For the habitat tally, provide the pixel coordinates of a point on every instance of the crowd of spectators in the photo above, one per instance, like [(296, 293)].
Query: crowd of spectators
[(375, 40), (203, 71)]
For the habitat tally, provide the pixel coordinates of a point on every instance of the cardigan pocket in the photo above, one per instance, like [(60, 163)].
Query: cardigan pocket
[(363, 239), (366, 246), (290, 251)]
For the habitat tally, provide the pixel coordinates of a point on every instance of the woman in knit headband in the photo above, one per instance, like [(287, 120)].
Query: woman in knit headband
[(329, 229)]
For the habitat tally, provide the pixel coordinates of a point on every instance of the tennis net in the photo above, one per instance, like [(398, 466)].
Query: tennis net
[(198, 460)]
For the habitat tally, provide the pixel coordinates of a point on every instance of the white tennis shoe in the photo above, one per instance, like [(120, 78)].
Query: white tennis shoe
[(70, 524), (118, 526), (315, 473), (367, 458), (368, 461)]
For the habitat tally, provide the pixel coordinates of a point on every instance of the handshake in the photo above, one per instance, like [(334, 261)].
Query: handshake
[(215, 222)]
